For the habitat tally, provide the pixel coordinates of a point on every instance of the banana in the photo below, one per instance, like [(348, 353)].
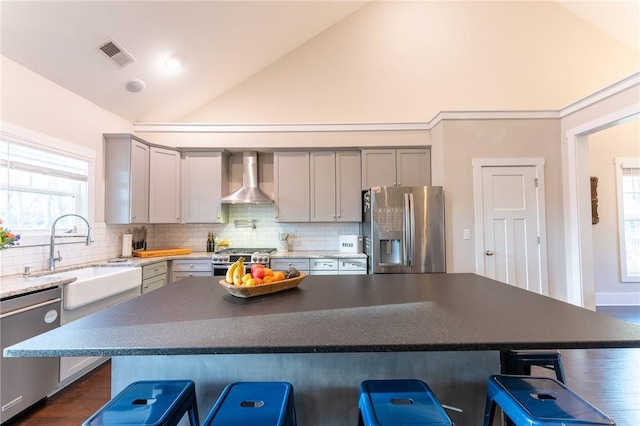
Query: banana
[(238, 272), (229, 276), (236, 269)]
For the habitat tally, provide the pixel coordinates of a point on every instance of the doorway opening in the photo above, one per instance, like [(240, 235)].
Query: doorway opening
[(578, 221)]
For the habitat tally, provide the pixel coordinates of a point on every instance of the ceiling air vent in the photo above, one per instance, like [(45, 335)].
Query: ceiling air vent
[(116, 53)]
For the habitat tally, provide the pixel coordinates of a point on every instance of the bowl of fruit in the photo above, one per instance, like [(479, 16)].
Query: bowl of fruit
[(259, 280)]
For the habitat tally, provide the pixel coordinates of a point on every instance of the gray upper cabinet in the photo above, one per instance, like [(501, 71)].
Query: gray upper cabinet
[(204, 182), (126, 180), (396, 167), (291, 186), (164, 186), (335, 186), (322, 186)]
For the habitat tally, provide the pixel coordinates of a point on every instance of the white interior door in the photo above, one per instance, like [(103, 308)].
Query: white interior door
[(510, 225)]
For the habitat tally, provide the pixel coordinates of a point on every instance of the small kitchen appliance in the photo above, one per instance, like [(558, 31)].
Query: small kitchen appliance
[(222, 259)]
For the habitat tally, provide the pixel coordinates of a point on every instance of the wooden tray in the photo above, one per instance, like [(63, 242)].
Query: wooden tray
[(260, 289), (161, 252)]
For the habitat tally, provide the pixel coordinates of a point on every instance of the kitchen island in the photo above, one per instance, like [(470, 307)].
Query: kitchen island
[(329, 334)]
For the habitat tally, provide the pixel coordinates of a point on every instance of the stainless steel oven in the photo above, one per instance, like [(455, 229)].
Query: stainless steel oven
[(222, 259)]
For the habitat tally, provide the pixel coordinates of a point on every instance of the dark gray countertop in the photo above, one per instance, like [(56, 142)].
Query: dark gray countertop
[(359, 313)]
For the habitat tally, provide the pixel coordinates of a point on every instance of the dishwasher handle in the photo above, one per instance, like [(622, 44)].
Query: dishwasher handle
[(29, 308)]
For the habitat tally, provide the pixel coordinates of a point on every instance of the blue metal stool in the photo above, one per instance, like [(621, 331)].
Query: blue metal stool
[(400, 402), (539, 401), (255, 404), (519, 363), (149, 403)]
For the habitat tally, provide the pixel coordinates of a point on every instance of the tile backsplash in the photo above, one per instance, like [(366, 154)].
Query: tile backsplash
[(107, 239)]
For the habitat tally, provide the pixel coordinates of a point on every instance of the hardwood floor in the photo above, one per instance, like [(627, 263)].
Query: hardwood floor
[(72, 405), (608, 378)]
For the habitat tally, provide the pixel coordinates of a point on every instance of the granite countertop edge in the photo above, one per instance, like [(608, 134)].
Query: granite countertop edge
[(17, 285), (317, 254)]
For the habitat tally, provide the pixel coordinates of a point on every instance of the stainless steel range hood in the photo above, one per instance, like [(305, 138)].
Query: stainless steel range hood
[(249, 193)]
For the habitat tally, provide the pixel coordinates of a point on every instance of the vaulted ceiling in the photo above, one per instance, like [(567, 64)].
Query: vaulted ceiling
[(221, 44)]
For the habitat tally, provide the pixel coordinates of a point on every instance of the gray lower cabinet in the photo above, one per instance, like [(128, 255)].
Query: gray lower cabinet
[(154, 276), (181, 269), (323, 266), (352, 266), (301, 264)]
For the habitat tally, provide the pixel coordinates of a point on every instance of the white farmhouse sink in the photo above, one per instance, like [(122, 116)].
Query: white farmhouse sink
[(97, 283)]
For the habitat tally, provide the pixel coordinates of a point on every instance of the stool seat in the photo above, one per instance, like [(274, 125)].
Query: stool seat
[(539, 401), (255, 404), (149, 403), (519, 362), (400, 402)]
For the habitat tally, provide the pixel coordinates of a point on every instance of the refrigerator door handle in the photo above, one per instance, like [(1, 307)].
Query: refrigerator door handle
[(406, 231), (412, 230)]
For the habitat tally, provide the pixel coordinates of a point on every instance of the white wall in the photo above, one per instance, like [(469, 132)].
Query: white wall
[(407, 61)]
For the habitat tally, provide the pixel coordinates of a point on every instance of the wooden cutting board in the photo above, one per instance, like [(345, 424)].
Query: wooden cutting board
[(161, 252)]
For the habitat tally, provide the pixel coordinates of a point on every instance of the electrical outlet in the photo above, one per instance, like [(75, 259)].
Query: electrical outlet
[(466, 234)]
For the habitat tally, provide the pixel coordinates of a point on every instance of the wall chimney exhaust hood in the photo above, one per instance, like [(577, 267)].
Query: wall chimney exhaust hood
[(249, 193)]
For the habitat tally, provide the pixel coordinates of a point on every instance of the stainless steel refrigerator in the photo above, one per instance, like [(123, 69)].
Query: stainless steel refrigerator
[(403, 228)]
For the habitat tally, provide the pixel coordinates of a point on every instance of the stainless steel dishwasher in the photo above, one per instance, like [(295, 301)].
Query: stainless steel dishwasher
[(26, 381)]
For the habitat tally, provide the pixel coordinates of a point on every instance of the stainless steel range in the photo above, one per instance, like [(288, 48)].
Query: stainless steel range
[(222, 259)]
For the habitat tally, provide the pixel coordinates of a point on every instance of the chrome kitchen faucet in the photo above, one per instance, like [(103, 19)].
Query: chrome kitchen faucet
[(52, 259)]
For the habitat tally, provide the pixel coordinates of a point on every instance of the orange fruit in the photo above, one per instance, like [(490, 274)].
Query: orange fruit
[(268, 279), (278, 276), (268, 272)]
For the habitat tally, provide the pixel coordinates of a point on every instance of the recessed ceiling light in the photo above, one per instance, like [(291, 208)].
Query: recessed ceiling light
[(135, 86), (174, 62)]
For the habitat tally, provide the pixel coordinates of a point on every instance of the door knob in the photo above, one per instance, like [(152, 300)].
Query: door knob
[(488, 253)]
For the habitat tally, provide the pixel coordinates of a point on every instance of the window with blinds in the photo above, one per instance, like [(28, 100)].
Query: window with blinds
[(38, 185), (628, 185)]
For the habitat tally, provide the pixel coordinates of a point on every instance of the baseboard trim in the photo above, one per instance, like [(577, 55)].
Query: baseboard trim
[(618, 299)]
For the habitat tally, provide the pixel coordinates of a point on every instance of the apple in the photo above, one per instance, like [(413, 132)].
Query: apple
[(255, 266), (257, 272)]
